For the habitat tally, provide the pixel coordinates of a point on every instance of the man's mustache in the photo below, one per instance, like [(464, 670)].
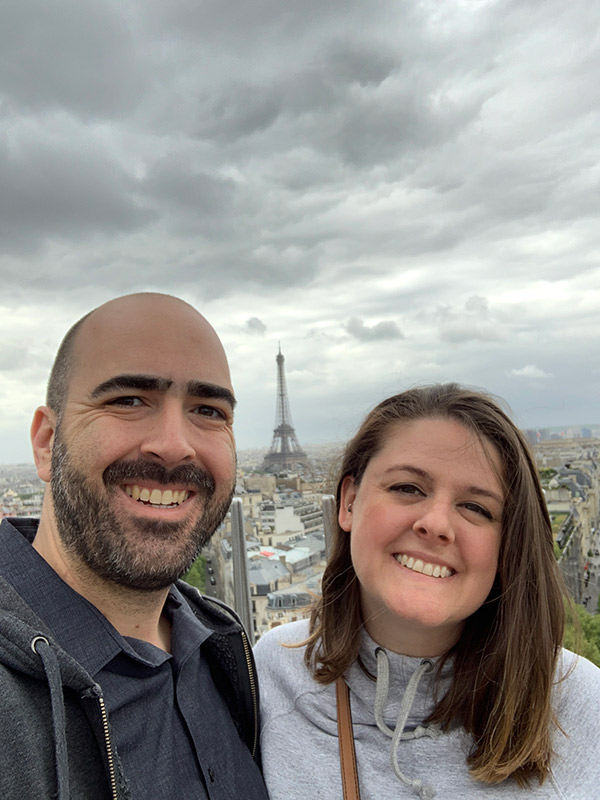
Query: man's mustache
[(186, 474)]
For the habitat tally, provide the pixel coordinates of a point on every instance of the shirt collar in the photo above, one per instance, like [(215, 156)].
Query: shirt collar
[(77, 625), (188, 631)]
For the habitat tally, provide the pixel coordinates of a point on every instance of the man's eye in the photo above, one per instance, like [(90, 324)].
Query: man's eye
[(129, 401), (210, 411)]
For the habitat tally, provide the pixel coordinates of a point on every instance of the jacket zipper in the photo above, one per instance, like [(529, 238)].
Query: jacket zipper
[(109, 749), (252, 689)]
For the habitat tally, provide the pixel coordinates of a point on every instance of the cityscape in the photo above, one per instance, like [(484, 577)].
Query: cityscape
[(284, 493)]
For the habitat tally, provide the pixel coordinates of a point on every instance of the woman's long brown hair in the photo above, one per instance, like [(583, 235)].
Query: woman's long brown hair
[(504, 663)]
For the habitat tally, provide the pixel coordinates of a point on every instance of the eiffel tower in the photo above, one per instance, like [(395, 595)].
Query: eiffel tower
[(285, 451)]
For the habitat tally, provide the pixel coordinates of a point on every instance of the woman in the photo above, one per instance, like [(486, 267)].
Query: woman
[(442, 608)]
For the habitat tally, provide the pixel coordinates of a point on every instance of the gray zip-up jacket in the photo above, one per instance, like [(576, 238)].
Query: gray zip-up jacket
[(54, 731)]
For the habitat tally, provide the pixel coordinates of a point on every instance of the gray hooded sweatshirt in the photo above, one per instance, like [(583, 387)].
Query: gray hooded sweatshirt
[(398, 756)]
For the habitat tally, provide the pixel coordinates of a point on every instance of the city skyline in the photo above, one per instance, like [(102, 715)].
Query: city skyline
[(399, 193), (251, 457)]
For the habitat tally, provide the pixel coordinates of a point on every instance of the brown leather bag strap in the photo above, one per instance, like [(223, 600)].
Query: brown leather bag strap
[(346, 742)]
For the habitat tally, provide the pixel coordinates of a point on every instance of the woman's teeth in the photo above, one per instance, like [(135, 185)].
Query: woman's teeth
[(422, 566)]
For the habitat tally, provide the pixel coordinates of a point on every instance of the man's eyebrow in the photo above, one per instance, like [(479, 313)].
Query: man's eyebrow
[(146, 383), (210, 391), (150, 383)]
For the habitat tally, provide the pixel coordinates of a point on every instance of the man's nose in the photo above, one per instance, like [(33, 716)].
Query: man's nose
[(169, 439)]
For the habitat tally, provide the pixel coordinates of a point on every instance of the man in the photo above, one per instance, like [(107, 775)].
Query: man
[(116, 679)]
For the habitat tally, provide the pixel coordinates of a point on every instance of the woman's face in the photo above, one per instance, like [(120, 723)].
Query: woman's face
[(424, 533)]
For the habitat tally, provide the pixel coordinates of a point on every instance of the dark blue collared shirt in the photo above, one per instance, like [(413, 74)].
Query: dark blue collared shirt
[(170, 725)]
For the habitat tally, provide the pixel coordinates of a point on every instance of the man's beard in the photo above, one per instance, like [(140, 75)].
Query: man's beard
[(127, 550)]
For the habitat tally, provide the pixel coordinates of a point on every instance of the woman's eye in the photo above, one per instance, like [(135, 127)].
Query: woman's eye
[(405, 488), (478, 510)]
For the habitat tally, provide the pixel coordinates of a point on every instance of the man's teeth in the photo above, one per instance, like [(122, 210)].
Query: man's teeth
[(156, 497), (420, 566)]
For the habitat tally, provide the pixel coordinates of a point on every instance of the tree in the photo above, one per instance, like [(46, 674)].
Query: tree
[(586, 640), (196, 574)]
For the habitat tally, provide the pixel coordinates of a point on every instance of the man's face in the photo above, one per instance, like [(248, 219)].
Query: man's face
[(143, 458)]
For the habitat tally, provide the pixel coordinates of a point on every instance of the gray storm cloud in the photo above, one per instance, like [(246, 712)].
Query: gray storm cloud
[(355, 173)]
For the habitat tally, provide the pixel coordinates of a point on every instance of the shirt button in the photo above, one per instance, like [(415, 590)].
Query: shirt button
[(211, 775)]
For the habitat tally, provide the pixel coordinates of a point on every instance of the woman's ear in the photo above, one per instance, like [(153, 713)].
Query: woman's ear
[(42, 436), (347, 497)]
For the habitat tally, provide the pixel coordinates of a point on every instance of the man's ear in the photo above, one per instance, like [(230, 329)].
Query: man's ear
[(42, 436), (347, 497)]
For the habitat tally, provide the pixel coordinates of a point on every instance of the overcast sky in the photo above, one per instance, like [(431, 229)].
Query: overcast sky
[(399, 192)]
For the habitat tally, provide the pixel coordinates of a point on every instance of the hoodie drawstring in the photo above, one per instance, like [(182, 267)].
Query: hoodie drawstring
[(424, 791), (41, 647)]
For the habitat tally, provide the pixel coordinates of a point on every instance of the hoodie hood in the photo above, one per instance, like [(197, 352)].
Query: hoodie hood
[(400, 692), (27, 647), (363, 683), (19, 628)]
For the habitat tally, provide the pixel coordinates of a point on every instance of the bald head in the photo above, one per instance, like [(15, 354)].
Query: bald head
[(141, 402), (131, 324)]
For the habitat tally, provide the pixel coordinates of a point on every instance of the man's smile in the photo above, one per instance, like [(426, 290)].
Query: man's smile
[(156, 497)]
